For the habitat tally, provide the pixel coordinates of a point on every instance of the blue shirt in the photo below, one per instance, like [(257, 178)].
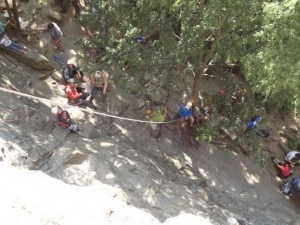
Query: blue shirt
[(252, 124), (183, 111)]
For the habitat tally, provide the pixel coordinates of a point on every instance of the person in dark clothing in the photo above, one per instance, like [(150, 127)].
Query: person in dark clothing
[(64, 120), (71, 71)]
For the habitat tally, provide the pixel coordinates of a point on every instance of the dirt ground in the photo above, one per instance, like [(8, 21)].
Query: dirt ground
[(160, 178)]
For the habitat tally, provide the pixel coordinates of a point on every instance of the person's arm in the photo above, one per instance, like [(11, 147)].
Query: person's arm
[(105, 86), (92, 79), (66, 73)]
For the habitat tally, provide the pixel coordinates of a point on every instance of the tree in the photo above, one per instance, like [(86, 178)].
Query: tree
[(184, 37), (273, 67), (13, 15)]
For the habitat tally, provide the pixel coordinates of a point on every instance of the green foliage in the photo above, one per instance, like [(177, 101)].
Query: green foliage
[(203, 134), (273, 68)]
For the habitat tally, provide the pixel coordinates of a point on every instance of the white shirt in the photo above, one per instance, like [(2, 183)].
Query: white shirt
[(291, 155), (5, 41)]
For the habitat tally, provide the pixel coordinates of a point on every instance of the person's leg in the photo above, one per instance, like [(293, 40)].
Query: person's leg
[(191, 119), (94, 93), (85, 95), (15, 47)]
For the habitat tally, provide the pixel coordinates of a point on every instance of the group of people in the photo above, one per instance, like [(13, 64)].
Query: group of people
[(74, 78), (291, 160)]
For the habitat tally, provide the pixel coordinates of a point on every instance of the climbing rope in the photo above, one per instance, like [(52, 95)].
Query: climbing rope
[(85, 110)]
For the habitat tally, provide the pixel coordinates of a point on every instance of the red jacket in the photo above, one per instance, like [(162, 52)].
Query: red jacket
[(64, 119), (72, 92)]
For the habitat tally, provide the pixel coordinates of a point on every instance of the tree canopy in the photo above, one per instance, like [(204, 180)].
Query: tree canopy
[(180, 38)]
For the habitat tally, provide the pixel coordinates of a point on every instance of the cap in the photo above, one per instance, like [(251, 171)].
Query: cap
[(54, 110), (71, 80), (189, 104)]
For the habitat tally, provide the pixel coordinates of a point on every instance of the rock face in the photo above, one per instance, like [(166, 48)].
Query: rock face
[(31, 58)]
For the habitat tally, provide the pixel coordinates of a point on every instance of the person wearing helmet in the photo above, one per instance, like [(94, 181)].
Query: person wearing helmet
[(99, 83), (293, 158), (71, 71), (186, 113), (64, 120), (73, 94)]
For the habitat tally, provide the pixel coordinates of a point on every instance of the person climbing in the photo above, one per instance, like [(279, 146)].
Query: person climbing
[(99, 82), (56, 36), (71, 71), (72, 92), (293, 158), (284, 170), (11, 45), (186, 113), (252, 123), (64, 120)]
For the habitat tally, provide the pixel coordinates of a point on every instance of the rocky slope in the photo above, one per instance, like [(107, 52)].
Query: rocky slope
[(119, 174)]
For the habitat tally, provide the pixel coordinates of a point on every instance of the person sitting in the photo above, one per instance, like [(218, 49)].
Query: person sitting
[(99, 83), (283, 168), (11, 45), (186, 113), (293, 158), (71, 71), (64, 120), (252, 123), (72, 93)]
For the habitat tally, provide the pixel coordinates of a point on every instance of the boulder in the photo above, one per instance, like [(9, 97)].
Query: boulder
[(76, 157), (31, 58)]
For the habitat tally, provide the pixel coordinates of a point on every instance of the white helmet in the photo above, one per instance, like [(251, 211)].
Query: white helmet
[(54, 110), (70, 62), (97, 74), (189, 104)]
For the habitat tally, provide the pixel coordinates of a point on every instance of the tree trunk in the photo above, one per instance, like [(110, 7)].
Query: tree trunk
[(16, 17), (205, 61), (13, 15)]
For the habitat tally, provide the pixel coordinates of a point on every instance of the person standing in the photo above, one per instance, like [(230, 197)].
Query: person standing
[(56, 35), (99, 82)]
